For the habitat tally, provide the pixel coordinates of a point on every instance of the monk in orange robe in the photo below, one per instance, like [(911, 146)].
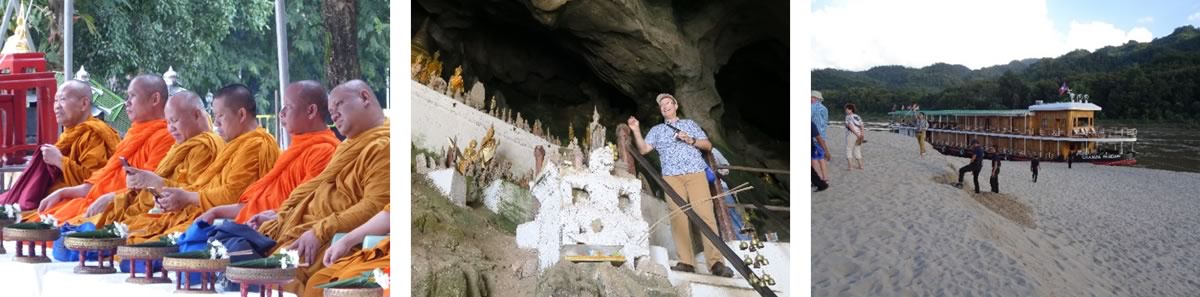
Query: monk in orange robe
[(338, 267), (248, 155), (303, 115), (196, 147), (354, 186), (145, 144), (85, 144)]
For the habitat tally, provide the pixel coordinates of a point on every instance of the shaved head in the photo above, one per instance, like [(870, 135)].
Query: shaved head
[(354, 108), (76, 88), (234, 111), (305, 107), (185, 116), (146, 98), (72, 103)]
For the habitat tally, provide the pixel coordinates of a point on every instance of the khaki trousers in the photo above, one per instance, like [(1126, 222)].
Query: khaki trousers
[(692, 187), (921, 141)]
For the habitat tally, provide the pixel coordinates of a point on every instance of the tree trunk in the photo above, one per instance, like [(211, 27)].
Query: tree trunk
[(340, 18)]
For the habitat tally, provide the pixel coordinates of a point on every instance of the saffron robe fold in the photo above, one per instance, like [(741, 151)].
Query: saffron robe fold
[(353, 265), (352, 188), (243, 161), (182, 165), (85, 147), (144, 146), (303, 160)]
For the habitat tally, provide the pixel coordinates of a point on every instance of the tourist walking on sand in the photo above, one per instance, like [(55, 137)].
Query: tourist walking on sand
[(1035, 165), (995, 179), (679, 143), (854, 137), (974, 167), (922, 126), (819, 154), (820, 118)]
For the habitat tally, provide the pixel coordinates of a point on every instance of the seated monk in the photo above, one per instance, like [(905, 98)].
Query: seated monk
[(195, 148), (352, 188), (145, 144), (304, 113), (338, 267), (85, 144), (248, 155)]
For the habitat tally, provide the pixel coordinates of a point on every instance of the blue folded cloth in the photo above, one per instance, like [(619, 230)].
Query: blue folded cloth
[(60, 252)]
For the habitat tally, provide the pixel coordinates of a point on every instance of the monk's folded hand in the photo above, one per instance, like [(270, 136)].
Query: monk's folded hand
[(261, 218), (99, 205), (336, 251), (51, 155), (175, 199), (51, 200), (207, 217), (308, 246), (141, 179)]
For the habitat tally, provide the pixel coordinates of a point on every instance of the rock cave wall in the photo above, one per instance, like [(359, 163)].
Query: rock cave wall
[(556, 59)]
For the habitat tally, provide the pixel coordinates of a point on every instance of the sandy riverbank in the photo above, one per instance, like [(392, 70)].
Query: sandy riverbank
[(899, 229)]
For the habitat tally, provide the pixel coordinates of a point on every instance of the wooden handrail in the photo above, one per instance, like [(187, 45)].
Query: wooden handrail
[(732, 258), (752, 169)]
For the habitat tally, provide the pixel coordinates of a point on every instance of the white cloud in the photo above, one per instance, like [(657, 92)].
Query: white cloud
[(1145, 20), (1094, 35), (1194, 17), (859, 34)]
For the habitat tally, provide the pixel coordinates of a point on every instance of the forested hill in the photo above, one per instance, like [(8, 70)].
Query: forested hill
[(1157, 80)]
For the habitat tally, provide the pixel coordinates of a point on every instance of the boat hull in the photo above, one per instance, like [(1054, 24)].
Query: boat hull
[(1111, 159)]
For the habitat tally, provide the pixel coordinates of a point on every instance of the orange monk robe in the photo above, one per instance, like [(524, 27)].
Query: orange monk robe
[(242, 162), (145, 144), (85, 148), (353, 265), (354, 187), (303, 160), (182, 165)]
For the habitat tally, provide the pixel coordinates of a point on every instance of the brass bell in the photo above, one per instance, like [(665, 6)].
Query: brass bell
[(770, 280), (760, 259), (761, 244), (744, 245), (747, 259), (757, 265)]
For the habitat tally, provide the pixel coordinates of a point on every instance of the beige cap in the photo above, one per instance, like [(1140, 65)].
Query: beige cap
[(818, 95), (665, 95)]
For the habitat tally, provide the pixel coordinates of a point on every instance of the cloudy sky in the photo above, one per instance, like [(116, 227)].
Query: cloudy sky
[(860, 34)]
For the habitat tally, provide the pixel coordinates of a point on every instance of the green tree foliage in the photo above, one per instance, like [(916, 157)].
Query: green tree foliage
[(209, 43), (1158, 80)]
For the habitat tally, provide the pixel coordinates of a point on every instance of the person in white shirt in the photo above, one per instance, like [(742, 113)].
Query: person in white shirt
[(854, 138)]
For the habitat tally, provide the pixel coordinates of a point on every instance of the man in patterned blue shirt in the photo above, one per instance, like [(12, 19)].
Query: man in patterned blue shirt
[(679, 143), (820, 118)]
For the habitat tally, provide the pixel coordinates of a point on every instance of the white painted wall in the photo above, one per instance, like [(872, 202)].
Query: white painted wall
[(437, 118)]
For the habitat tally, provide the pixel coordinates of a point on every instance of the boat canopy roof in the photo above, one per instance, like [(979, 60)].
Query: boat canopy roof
[(1058, 106), (967, 113), (1065, 106)]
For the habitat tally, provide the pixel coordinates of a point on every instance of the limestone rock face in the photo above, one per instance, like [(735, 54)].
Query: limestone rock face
[(510, 201), (591, 51)]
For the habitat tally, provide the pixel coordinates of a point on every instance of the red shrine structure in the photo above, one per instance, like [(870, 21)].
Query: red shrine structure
[(23, 75)]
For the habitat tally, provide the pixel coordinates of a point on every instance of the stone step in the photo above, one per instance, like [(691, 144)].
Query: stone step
[(695, 284)]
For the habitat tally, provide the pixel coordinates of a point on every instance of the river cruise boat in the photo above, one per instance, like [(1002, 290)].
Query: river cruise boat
[(1047, 131)]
